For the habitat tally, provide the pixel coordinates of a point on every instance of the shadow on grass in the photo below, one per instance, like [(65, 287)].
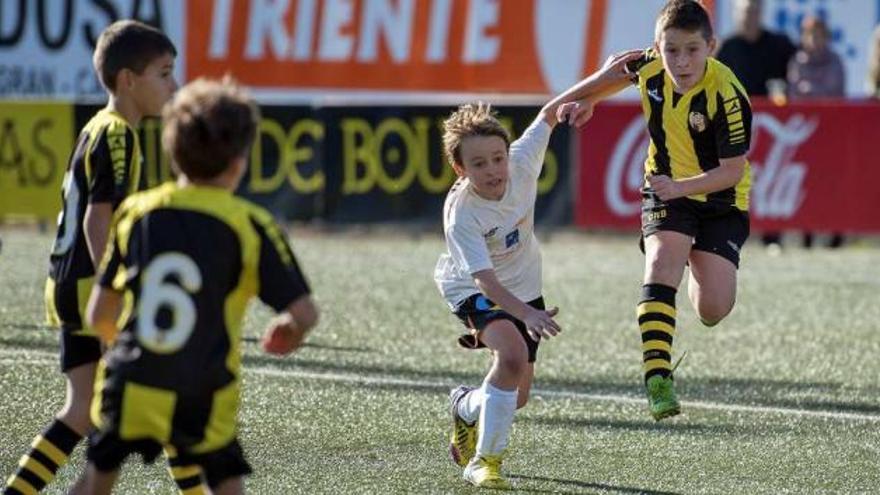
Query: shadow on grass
[(316, 345), (584, 484), (645, 425), (49, 343)]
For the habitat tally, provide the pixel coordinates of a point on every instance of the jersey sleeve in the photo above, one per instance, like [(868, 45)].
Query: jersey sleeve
[(467, 247), (528, 151), (109, 165), (281, 281), (732, 121)]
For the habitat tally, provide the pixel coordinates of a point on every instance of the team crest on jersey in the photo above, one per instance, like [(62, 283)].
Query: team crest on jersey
[(697, 121)]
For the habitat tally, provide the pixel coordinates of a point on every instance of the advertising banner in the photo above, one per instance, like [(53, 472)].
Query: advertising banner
[(514, 46), (299, 51), (813, 167), (362, 164), (35, 142), (46, 46)]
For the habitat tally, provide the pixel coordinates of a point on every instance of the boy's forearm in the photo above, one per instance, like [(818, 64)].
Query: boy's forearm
[(102, 312), (489, 285), (96, 226), (594, 88), (303, 314), (725, 176)]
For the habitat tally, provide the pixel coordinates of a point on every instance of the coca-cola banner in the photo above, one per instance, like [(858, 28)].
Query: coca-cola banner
[(814, 167)]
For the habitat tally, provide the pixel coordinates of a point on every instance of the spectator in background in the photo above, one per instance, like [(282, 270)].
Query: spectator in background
[(874, 65), (815, 71), (756, 56)]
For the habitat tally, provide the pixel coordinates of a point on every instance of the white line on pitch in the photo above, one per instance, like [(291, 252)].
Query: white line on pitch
[(47, 358)]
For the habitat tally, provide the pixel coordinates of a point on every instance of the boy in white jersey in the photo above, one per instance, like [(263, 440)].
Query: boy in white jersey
[(490, 275)]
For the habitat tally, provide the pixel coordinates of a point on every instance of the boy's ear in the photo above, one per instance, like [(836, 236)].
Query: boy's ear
[(459, 169), (713, 44), (124, 79)]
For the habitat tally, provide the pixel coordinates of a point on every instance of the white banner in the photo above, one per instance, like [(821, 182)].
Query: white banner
[(46, 45)]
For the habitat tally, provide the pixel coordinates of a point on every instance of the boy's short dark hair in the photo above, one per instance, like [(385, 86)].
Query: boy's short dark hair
[(128, 44), (208, 124), (686, 15)]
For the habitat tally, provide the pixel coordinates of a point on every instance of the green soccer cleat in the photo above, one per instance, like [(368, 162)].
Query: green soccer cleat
[(485, 472), (661, 397), (463, 440)]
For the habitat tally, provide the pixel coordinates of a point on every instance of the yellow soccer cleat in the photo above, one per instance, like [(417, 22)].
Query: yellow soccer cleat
[(485, 472), (463, 440)]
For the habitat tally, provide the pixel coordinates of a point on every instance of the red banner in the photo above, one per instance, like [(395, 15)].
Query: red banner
[(814, 167)]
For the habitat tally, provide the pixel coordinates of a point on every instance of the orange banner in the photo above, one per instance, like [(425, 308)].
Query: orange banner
[(511, 46)]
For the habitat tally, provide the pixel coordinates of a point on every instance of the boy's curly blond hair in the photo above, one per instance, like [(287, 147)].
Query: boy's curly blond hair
[(470, 120)]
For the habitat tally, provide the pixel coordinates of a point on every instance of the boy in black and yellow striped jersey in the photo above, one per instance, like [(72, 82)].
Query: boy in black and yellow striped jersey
[(134, 62), (182, 263), (696, 195)]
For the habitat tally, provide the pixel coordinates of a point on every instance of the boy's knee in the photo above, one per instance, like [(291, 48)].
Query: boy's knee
[(513, 363), (712, 314)]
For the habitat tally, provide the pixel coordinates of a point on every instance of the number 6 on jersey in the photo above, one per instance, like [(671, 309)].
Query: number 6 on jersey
[(158, 292)]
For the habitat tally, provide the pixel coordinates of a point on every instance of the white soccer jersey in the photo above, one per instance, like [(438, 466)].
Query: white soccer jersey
[(483, 234)]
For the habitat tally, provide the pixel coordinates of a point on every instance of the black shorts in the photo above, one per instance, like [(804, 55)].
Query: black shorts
[(77, 350), (108, 452), (716, 228), (477, 311)]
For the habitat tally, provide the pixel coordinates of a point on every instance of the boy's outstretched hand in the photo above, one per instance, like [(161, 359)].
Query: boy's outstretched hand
[(614, 70), (541, 324), (576, 113), (283, 336)]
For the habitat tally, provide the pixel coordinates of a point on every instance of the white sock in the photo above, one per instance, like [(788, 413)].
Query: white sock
[(469, 407), (496, 418)]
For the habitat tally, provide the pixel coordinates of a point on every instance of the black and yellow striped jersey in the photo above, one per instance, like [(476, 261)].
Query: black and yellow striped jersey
[(691, 132), (188, 260), (104, 167)]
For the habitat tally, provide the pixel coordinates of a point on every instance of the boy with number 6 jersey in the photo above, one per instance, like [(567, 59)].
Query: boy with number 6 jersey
[(183, 261)]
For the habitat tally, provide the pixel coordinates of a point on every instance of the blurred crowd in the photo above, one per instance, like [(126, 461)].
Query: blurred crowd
[(771, 65)]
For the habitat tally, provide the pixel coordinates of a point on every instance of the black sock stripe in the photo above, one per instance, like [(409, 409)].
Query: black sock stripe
[(43, 459), (174, 461), (656, 335), (12, 491), (656, 354), (657, 371), (62, 436), (31, 477), (190, 482), (657, 317), (659, 293)]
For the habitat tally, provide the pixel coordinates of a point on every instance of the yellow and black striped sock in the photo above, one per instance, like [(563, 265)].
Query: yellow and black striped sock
[(188, 477), (656, 313), (49, 451)]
